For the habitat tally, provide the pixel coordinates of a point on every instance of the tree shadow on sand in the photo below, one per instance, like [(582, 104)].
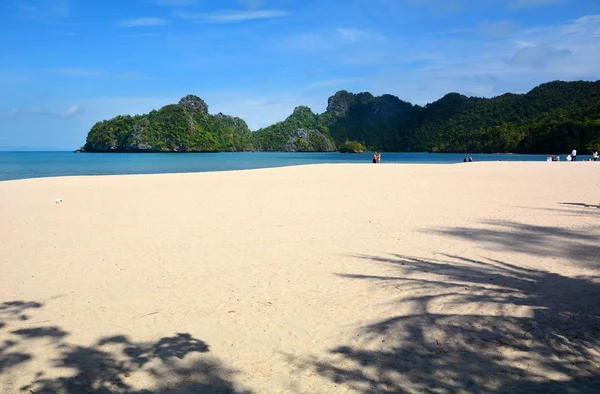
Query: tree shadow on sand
[(580, 204), (477, 326), (579, 247), (111, 364), (10, 312)]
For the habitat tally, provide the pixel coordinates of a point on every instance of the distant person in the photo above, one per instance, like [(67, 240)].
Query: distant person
[(557, 158), (466, 159), (574, 155), (595, 155), (374, 157), (378, 157), (470, 159), (549, 158), (569, 158)]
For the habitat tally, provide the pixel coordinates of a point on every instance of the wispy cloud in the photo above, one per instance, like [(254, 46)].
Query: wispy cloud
[(519, 4), (307, 42), (354, 35), (265, 109), (142, 22), (336, 82), (537, 56), (175, 3), (498, 29), (45, 10), (72, 111), (140, 35), (252, 4), (445, 7), (469, 65), (229, 16), (13, 77), (337, 40), (349, 46), (90, 72)]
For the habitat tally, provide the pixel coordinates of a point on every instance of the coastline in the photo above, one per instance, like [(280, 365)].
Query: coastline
[(19, 165), (314, 278)]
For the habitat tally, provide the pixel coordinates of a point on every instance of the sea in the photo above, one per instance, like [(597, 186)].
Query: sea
[(22, 165)]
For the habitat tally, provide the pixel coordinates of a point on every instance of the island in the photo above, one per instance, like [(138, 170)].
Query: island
[(553, 117)]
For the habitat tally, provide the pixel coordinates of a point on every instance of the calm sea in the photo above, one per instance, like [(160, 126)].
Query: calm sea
[(20, 165)]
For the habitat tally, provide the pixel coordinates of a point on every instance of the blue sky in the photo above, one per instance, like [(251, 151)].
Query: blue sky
[(66, 64)]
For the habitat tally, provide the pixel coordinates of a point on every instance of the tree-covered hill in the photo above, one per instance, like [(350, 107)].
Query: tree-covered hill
[(283, 135), (183, 127), (552, 118)]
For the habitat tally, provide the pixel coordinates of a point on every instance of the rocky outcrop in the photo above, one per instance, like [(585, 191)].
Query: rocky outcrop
[(136, 142), (194, 104), (308, 141)]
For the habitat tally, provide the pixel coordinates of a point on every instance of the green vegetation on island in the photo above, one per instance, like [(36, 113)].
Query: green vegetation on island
[(553, 117), (352, 147), (283, 136), (183, 127)]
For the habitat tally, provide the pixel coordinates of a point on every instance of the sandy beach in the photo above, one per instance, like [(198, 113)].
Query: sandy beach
[(475, 277)]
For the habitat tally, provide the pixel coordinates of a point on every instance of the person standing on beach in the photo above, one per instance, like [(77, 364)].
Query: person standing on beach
[(374, 157), (378, 157), (574, 155), (595, 155)]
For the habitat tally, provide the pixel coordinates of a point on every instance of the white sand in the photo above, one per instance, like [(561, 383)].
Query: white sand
[(317, 279)]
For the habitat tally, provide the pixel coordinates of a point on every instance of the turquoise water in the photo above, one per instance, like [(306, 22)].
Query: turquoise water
[(20, 165)]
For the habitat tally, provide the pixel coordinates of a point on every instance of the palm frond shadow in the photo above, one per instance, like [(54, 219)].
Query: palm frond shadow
[(479, 325), (582, 247)]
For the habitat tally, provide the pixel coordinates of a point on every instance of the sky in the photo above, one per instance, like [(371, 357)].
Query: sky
[(66, 64)]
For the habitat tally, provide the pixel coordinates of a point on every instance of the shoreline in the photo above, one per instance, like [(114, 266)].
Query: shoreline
[(286, 166)]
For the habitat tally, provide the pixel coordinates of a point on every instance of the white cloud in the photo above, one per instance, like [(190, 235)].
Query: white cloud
[(263, 110), (469, 65), (252, 4), (445, 7), (524, 44), (519, 4), (308, 42), (14, 77), (91, 72), (498, 29), (537, 57), (355, 46), (429, 66), (72, 111), (230, 16), (45, 10), (336, 82), (140, 35), (37, 110), (354, 35), (175, 3), (143, 22)]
